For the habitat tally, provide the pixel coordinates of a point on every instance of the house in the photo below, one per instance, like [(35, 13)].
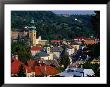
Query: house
[(95, 61), (45, 70), (29, 71), (43, 42), (91, 41), (79, 39), (76, 46), (35, 49), (15, 65), (70, 50), (56, 51), (15, 35), (30, 68), (73, 72), (40, 70), (77, 72), (36, 39), (88, 72), (44, 55), (55, 41), (86, 41)]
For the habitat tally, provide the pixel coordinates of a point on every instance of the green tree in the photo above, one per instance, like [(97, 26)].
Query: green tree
[(96, 23), (94, 50), (64, 58), (51, 26), (20, 49)]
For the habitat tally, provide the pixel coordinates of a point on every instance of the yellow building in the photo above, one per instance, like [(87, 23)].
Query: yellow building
[(32, 36), (35, 39), (94, 61)]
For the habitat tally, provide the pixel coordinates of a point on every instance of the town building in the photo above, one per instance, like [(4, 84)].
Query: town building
[(95, 61), (15, 65), (77, 72), (35, 50)]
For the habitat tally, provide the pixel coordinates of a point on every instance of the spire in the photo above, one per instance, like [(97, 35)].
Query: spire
[(32, 21), (31, 26)]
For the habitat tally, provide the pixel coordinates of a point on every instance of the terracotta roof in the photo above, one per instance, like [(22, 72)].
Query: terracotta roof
[(83, 38), (46, 70), (29, 69), (55, 41), (38, 71), (35, 48), (30, 62), (15, 65)]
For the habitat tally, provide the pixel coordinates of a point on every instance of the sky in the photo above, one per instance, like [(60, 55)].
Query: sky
[(74, 12)]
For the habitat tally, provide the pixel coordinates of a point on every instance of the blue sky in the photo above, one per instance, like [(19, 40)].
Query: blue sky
[(74, 12)]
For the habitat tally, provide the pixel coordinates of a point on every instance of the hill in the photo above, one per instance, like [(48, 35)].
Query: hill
[(52, 26)]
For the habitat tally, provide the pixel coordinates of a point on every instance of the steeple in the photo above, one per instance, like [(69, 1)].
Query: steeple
[(33, 24), (32, 32)]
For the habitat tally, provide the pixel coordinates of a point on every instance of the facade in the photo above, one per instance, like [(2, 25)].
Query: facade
[(77, 72), (70, 51), (56, 51), (43, 42), (90, 41), (94, 61), (35, 39), (44, 56)]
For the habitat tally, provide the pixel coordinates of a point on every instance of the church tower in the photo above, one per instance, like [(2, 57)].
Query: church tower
[(32, 33), (33, 37)]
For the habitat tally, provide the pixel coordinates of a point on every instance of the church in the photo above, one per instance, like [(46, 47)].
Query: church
[(31, 33), (35, 39)]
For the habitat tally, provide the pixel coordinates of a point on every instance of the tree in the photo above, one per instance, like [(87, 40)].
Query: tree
[(96, 23), (64, 58), (51, 26), (94, 50), (20, 49)]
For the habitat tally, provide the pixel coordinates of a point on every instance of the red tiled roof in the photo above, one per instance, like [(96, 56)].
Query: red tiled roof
[(35, 48), (84, 38), (30, 62), (29, 69), (15, 65), (38, 71), (47, 70), (55, 41)]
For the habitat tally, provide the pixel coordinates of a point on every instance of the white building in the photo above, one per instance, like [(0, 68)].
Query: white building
[(77, 72)]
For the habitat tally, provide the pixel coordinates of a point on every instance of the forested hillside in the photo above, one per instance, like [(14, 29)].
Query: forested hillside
[(52, 26)]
